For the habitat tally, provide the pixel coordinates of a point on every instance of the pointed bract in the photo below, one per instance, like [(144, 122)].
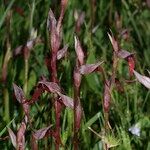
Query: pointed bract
[(51, 21), (114, 43), (79, 51), (67, 101), (61, 53), (54, 34), (142, 79), (12, 137), (50, 86), (18, 93), (89, 68), (39, 134), (124, 54)]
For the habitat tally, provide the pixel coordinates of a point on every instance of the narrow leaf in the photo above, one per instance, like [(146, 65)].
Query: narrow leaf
[(142, 79), (89, 68), (3, 16), (12, 137)]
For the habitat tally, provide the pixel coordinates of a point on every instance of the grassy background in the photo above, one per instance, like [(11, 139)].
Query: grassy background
[(128, 108)]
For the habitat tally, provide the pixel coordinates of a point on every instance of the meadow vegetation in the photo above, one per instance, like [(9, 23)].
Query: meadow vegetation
[(75, 74)]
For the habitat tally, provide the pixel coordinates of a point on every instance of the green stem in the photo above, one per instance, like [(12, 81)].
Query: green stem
[(31, 17), (6, 105), (25, 88), (26, 61), (76, 103)]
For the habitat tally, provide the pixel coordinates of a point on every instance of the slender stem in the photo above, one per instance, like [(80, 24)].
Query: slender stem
[(6, 103), (54, 67), (93, 10), (31, 17), (76, 103), (107, 93), (7, 57), (25, 88), (57, 105), (53, 71), (114, 68)]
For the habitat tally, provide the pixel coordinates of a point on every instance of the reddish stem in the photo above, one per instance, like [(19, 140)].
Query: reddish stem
[(57, 105), (76, 103)]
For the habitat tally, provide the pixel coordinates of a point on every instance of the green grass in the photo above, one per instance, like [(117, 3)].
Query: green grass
[(127, 108)]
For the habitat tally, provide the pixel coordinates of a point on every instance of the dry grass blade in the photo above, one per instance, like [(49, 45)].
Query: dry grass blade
[(142, 79)]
